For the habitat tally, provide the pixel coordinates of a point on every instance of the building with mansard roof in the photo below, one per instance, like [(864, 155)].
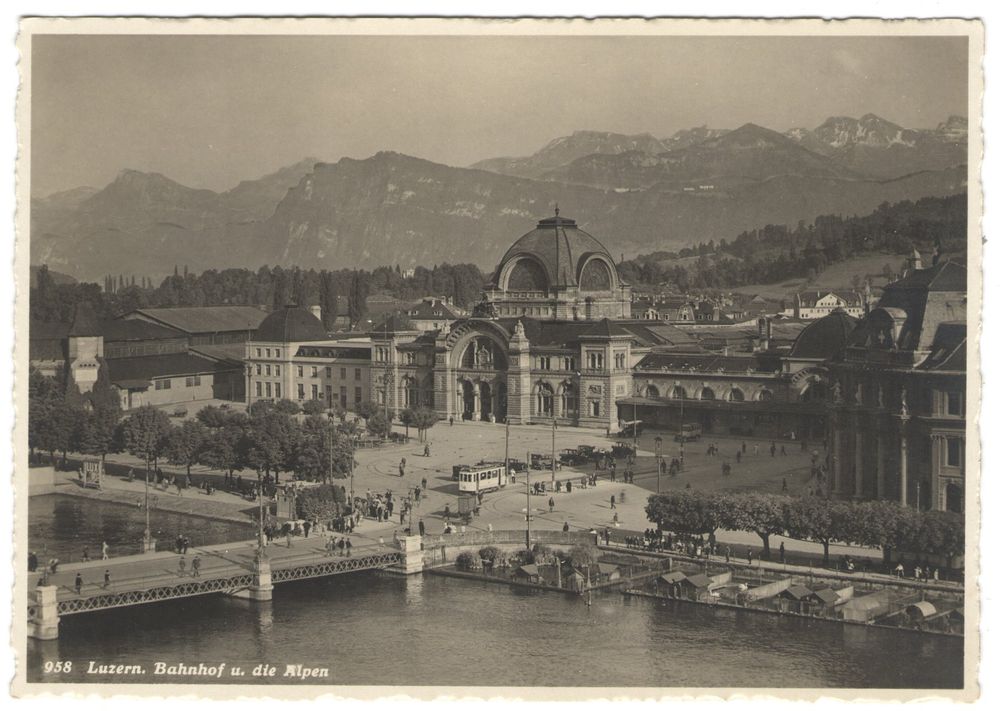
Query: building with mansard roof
[(897, 423)]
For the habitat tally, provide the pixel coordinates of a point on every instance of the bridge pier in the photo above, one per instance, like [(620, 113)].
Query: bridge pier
[(45, 623), (262, 589), (413, 555)]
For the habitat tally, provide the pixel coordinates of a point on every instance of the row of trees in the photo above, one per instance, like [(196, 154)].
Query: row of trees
[(269, 439), (776, 253), (338, 292), (879, 524)]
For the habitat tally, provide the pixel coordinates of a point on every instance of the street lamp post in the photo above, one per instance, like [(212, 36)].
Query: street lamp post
[(527, 505), (682, 430), (553, 451), (659, 442), (146, 534)]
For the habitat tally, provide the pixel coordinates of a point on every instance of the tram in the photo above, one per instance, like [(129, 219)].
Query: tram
[(482, 478)]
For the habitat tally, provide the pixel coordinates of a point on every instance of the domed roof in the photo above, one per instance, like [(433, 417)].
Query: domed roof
[(561, 249), (290, 324), (824, 337)]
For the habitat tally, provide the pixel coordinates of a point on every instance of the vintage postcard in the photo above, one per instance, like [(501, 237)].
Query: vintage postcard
[(531, 358)]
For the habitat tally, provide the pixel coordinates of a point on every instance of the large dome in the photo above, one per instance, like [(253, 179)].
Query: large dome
[(557, 253), (825, 337), (290, 324)]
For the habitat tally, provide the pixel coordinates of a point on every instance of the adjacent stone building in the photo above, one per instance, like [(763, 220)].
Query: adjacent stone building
[(898, 395)]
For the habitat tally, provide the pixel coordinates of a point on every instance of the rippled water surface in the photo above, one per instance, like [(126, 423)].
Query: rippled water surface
[(370, 628)]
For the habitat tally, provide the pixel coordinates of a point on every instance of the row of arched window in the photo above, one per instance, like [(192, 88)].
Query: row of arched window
[(679, 392)]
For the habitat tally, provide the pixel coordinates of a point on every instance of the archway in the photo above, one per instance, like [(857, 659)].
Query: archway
[(678, 393), (736, 395), (569, 401), (707, 393), (467, 391), (652, 392), (765, 395), (544, 400), (485, 401)]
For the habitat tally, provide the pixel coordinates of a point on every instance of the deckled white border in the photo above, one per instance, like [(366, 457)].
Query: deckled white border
[(728, 27)]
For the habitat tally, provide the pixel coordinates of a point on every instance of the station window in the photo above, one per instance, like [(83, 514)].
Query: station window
[(954, 454), (343, 373), (277, 369), (260, 387), (267, 389), (258, 352), (258, 369), (267, 369), (163, 384), (357, 373), (954, 404), (302, 392), (299, 370), (277, 390), (315, 392), (268, 352), (329, 372), (192, 381)]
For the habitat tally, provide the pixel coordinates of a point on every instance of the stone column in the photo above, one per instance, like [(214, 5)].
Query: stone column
[(476, 403), (936, 494), (45, 624)]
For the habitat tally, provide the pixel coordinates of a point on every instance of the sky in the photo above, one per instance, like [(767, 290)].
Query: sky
[(210, 111)]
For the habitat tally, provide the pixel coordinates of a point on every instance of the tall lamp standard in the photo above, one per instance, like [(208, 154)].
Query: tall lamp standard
[(683, 396), (658, 442), (553, 451), (147, 539)]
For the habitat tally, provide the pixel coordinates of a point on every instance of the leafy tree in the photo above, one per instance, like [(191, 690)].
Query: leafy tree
[(287, 407), (225, 449), (214, 417), (818, 519), (322, 452), (378, 425), (366, 409), (406, 417), (687, 511), (763, 514), (273, 437), (583, 556), (185, 444), (313, 407), (320, 503), (423, 419), (465, 561), (144, 433)]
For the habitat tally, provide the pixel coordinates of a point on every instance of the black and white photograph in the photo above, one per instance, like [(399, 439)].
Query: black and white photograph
[(518, 355)]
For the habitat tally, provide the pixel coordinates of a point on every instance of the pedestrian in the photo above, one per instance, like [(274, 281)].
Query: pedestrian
[(615, 519), (935, 575), (420, 526), (739, 454), (916, 572), (781, 551), (783, 452), (305, 527), (186, 543), (565, 526), (756, 449), (773, 449), (381, 542), (728, 553), (744, 447), (288, 538), (423, 485), (348, 547), (86, 554), (402, 466), (451, 421), (32, 562), (104, 550), (552, 504), (78, 583), (612, 501), (749, 556), (181, 565), (196, 566), (427, 450), (107, 578), (899, 570)]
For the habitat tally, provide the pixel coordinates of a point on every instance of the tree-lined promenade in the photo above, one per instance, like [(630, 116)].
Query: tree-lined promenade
[(877, 524), (310, 442)]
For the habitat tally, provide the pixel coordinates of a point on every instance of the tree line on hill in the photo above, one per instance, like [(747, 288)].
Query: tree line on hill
[(269, 286), (776, 253), (269, 439), (879, 524)]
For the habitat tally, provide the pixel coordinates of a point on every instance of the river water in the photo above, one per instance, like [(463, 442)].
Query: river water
[(375, 629)]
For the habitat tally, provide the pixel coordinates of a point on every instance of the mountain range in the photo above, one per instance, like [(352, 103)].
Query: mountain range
[(637, 193)]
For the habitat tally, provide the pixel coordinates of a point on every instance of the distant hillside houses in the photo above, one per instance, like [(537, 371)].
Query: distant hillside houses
[(822, 302)]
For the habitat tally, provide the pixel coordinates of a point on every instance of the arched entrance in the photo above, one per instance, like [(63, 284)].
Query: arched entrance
[(544, 399), (468, 394), (485, 401)]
